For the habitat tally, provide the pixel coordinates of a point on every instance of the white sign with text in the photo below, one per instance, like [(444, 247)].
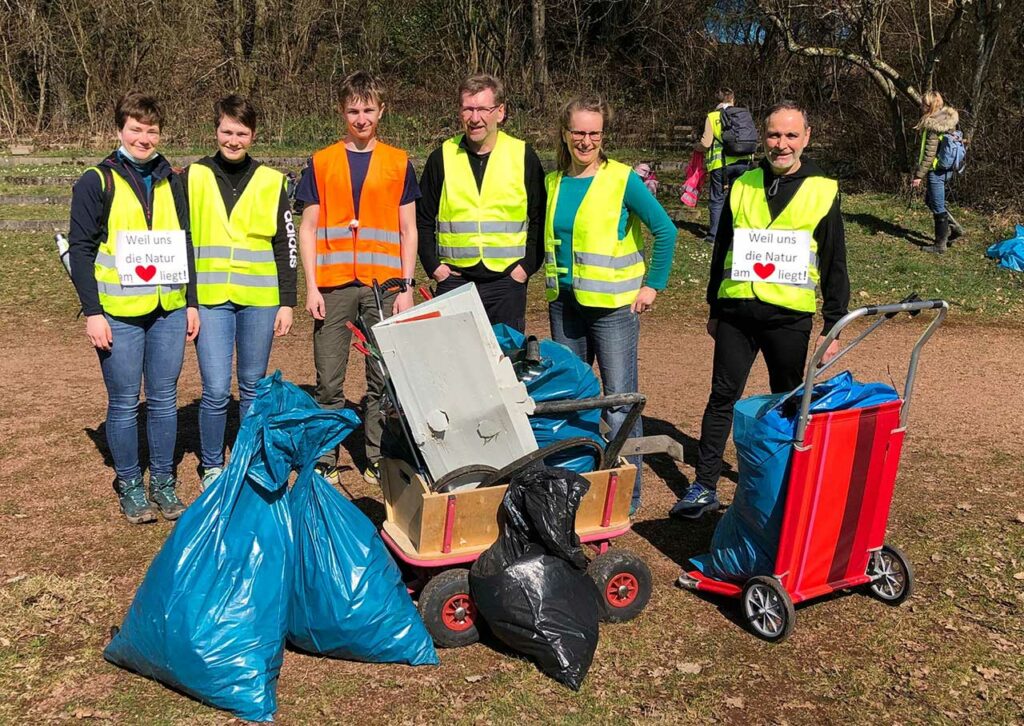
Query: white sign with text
[(771, 255), (151, 257)]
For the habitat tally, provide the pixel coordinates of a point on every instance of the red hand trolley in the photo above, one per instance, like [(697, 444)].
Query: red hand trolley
[(840, 487)]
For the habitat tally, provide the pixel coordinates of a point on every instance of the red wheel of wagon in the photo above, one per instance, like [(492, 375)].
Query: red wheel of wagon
[(458, 613), (448, 610), (622, 590), (624, 583)]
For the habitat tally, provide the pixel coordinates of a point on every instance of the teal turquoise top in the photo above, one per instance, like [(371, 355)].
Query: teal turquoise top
[(639, 201)]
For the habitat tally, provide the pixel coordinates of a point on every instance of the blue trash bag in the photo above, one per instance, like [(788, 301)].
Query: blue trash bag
[(746, 539), (348, 599), (1009, 252), (210, 617), (560, 375)]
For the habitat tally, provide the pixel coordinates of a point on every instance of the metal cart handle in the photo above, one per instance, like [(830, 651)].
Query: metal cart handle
[(910, 305)]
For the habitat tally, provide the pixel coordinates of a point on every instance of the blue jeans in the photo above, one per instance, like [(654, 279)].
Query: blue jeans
[(611, 336), (222, 328), (935, 191), (719, 182), (147, 348)]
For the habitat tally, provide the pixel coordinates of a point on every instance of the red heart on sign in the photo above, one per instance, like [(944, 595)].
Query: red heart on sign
[(148, 272), (764, 271)]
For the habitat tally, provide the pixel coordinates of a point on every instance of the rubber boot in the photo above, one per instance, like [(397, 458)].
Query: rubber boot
[(955, 230), (941, 236)]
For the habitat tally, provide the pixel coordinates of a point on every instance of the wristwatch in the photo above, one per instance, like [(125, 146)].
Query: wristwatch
[(408, 283)]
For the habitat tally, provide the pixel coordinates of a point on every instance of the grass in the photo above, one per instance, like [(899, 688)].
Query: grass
[(882, 232)]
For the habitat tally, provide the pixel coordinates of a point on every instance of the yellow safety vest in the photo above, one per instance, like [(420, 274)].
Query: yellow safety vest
[(127, 214), (235, 253), (715, 157), (607, 272), (489, 223), (806, 209)]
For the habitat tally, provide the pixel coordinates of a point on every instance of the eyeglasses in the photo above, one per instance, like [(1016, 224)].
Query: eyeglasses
[(580, 135), (468, 111)]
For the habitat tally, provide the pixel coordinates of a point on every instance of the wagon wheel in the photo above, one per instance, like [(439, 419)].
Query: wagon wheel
[(768, 609), (892, 576), (448, 610), (624, 581)]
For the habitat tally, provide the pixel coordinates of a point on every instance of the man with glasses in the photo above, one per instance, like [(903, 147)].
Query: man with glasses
[(481, 214)]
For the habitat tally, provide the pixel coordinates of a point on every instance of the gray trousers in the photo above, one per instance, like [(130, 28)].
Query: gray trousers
[(332, 341)]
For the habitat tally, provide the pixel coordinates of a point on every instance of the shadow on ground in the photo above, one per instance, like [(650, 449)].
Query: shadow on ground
[(877, 225)]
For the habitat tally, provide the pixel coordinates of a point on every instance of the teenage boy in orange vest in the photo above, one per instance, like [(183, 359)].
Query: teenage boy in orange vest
[(358, 224)]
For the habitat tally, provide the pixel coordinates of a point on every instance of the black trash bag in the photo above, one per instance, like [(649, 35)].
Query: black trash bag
[(531, 586)]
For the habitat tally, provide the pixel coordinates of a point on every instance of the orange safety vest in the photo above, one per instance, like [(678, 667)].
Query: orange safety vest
[(364, 248)]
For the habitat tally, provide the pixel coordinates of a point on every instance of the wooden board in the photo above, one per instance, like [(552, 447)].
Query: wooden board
[(416, 517)]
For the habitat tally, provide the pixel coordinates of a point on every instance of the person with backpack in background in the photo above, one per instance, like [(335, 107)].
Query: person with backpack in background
[(138, 330), (942, 155), (246, 258), (358, 199), (728, 143)]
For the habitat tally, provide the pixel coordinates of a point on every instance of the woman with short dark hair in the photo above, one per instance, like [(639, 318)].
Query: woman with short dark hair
[(137, 315), (246, 260)]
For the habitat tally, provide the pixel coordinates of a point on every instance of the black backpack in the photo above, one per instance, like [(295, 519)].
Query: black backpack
[(739, 134)]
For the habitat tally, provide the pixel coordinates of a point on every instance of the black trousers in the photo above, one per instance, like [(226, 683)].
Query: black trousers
[(737, 343), (504, 299)]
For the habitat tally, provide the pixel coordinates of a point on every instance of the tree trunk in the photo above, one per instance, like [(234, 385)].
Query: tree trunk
[(540, 55), (989, 16)]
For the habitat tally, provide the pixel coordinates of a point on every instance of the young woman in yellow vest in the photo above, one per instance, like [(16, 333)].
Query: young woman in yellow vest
[(596, 281), (784, 224), (130, 256), (246, 260), (358, 225), (937, 119)]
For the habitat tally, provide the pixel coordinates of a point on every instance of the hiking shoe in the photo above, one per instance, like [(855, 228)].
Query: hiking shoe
[(162, 494), (372, 473), (697, 500), (328, 472), (209, 477), (131, 495)]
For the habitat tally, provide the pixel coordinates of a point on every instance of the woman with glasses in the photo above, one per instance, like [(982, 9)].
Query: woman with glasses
[(597, 282)]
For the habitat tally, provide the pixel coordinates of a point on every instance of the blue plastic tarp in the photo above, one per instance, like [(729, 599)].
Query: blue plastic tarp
[(561, 375), (348, 597), (746, 539), (1009, 252), (210, 617)]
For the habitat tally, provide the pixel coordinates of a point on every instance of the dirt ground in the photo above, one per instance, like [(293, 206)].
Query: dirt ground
[(69, 564)]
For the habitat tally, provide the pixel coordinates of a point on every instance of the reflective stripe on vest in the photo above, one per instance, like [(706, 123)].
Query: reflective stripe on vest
[(607, 271), (370, 249), (235, 253), (806, 209), (486, 224), (127, 214)]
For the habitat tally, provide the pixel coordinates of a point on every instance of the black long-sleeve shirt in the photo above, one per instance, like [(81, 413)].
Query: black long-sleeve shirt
[(829, 235), (232, 179), (88, 228), (431, 183)]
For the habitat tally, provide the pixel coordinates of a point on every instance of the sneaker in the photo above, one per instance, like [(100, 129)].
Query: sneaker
[(162, 494), (131, 495), (209, 477), (372, 473), (328, 472), (697, 500)]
